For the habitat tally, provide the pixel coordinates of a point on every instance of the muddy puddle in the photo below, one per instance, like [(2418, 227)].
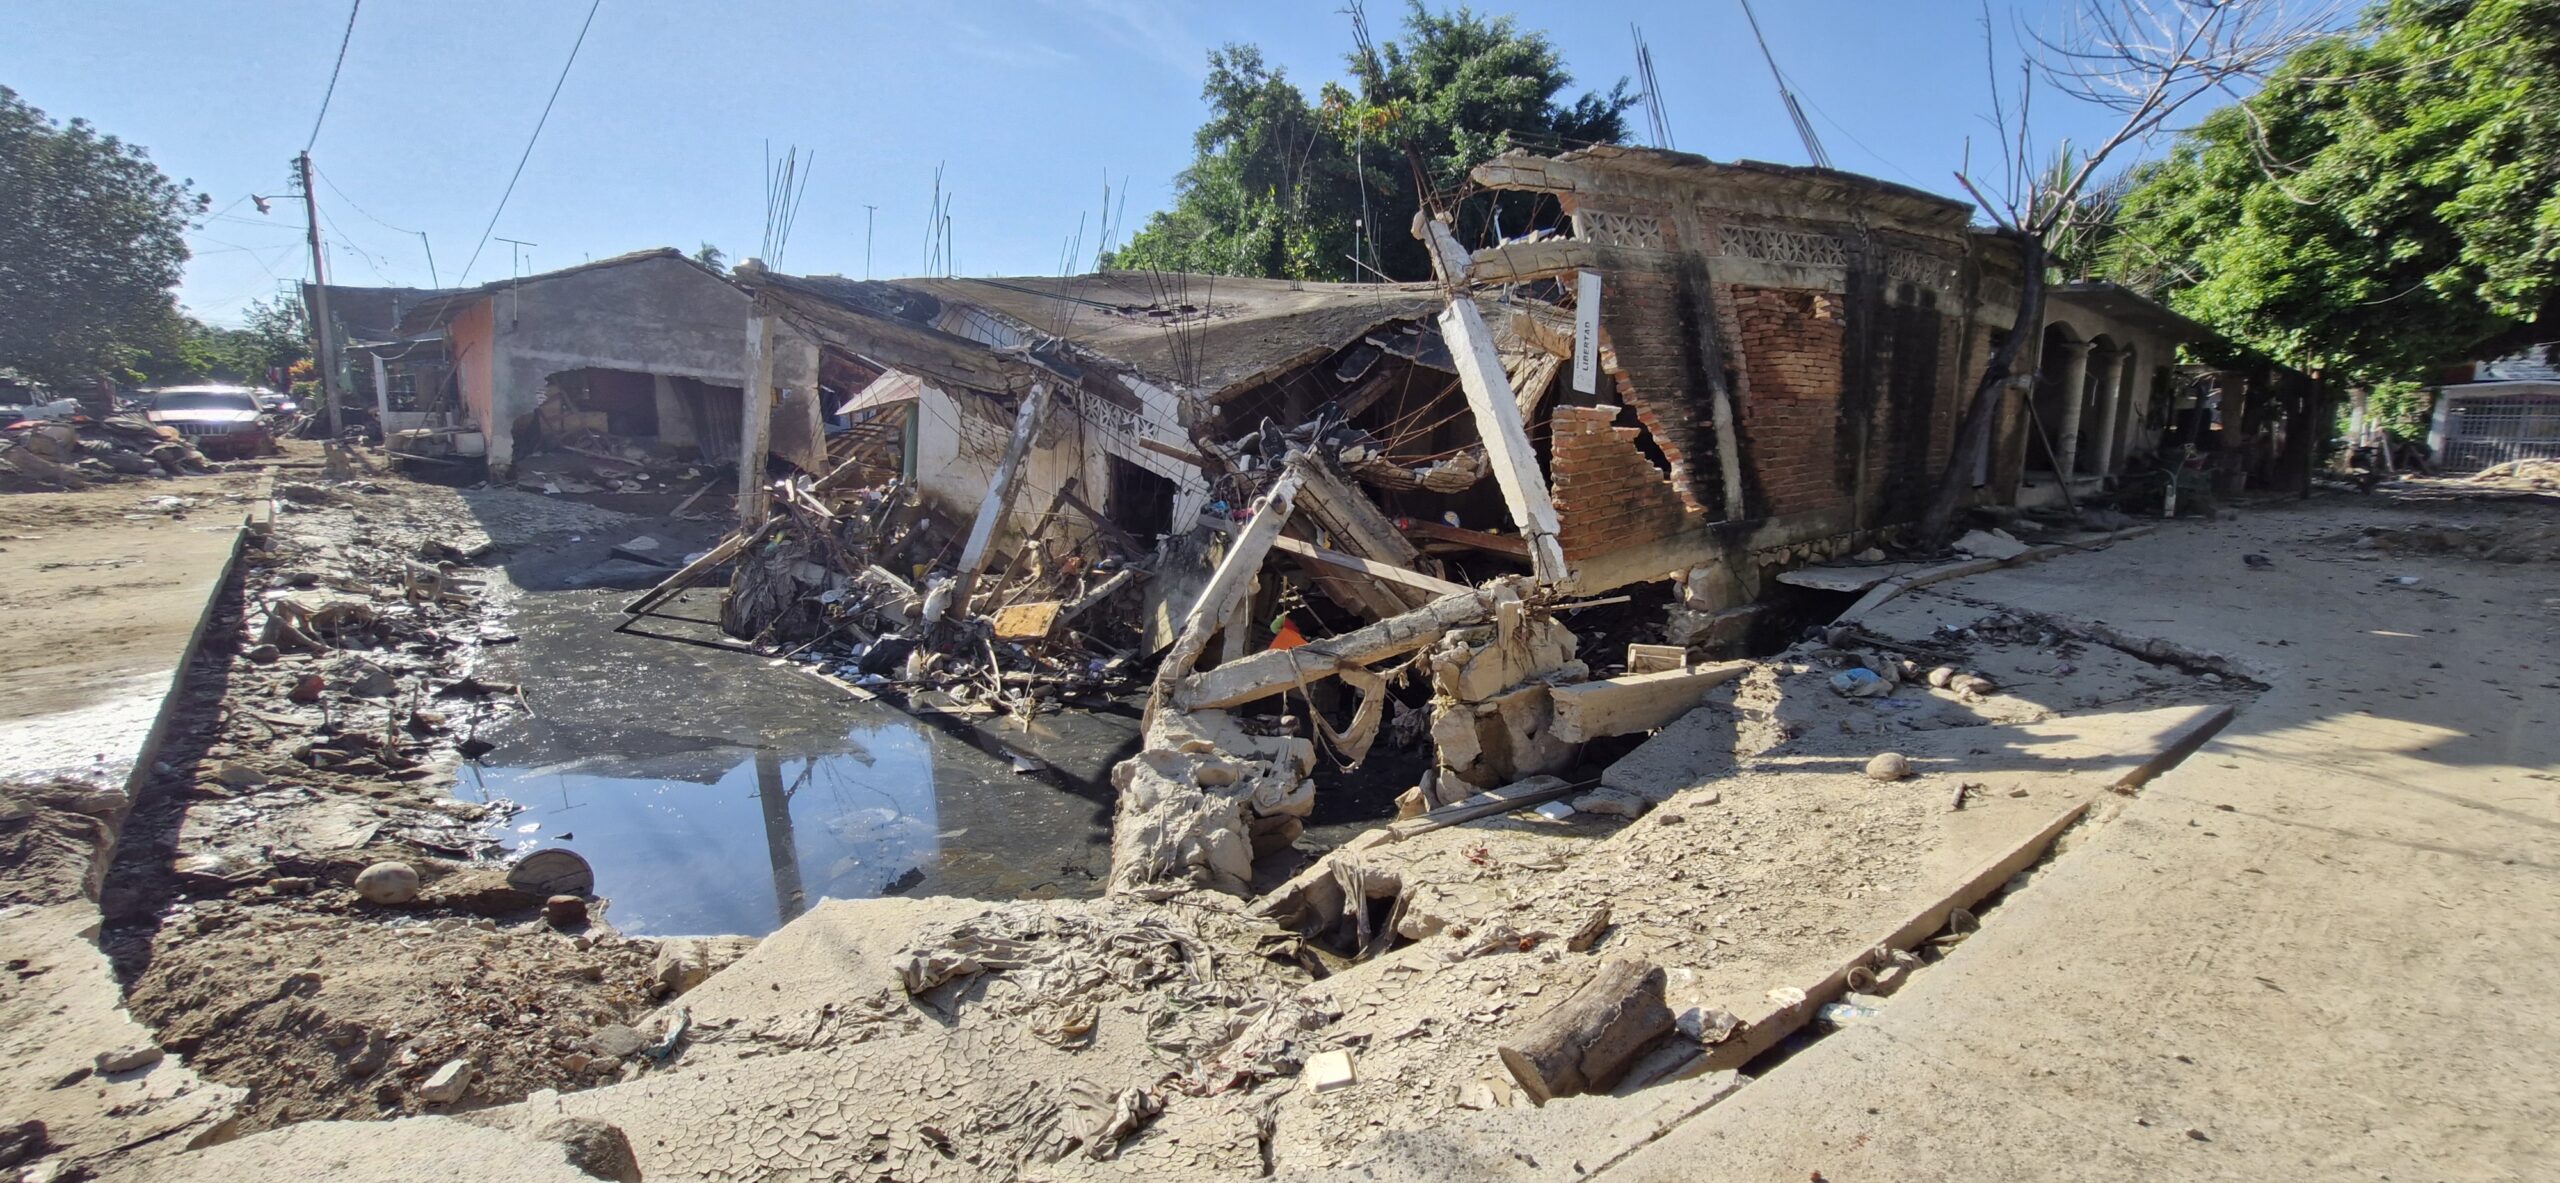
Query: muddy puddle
[(715, 792)]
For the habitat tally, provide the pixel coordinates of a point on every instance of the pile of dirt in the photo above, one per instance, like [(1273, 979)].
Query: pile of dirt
[(337, 1009), (51, 838), (2507, 542)]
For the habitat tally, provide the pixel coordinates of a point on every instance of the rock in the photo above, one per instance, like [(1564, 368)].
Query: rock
[(126, 1059), (595, 1147), (553, 872), (615, 1041), (1612, 803), (1991, 545), (1973, 684), (1411, 803), (388, 884), (447, 1084), (1942, 677), (262, 654), (374, 682), (683, 963), (240, 776), (308, 689), (1888, 766), (565, 911)]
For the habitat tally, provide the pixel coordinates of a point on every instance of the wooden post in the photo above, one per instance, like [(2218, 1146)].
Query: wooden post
[(755, 428), (1226, 585), (999, 499), (1360, 529)]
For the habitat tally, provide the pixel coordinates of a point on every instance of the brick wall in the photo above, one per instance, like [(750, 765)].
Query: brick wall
[(1787, 348), (1608, 495)]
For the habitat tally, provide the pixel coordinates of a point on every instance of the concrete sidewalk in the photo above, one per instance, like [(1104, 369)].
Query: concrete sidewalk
[(2316, 950)]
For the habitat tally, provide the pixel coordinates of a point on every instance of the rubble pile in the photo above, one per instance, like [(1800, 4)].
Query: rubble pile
[(70, 453), (856, 583)]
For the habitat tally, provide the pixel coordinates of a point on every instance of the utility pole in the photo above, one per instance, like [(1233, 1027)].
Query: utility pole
[(869, 212), (324, 345)]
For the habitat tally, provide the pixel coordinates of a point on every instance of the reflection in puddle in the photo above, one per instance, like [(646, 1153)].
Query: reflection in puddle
[(746, 851)]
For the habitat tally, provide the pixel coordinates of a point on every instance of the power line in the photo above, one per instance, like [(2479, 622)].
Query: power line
[(464, 278), (326, 95)]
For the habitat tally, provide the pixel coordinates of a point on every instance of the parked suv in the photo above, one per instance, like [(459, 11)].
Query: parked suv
[(224, 422)]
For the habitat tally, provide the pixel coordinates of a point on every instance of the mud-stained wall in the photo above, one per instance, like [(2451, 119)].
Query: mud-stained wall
[(657, 315), (1839, 314)]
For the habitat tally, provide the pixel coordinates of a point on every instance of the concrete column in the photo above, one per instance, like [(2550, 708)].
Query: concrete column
[(2136, 399), (2075, 395), (2110, 396)]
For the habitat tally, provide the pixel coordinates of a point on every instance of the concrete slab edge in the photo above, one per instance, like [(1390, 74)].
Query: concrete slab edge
[(1882, 592)]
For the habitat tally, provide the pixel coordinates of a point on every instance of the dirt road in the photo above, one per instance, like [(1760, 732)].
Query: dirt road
[(104, 588), (2314, 951)]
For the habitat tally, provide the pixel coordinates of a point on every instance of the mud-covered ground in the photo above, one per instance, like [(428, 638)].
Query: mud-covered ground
[(292, 767)]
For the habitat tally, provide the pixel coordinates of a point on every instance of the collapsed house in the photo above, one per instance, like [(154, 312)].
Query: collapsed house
[(1276, 504), (638, 351)]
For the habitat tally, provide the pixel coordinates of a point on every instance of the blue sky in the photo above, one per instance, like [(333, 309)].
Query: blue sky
[(659, 136)]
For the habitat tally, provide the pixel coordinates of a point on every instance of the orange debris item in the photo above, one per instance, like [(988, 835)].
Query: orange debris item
[(1290, 637)]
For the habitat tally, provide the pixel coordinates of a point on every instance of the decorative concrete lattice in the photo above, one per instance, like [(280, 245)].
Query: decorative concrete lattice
[(1781, 246), (1626, 230), (1908, 266)]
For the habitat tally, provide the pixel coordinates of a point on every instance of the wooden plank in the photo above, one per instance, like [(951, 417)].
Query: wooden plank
[(1510, 546), (1270, 672), (1027, 622), (1604, 707)]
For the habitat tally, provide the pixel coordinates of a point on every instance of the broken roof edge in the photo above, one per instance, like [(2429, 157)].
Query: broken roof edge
[(1256, 327), (457, 296), (1522, 169)]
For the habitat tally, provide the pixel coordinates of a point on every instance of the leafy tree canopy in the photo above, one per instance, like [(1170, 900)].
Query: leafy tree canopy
[(1284, 187), (90, 248), (2390, 202)]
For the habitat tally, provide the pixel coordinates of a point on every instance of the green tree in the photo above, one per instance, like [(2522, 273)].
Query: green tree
[(1278, 186), (2388, 203), (91, 246)]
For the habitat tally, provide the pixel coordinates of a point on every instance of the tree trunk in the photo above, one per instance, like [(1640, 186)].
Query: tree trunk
[(1973, 435)]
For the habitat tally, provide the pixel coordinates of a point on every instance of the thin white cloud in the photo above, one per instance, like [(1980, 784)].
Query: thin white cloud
[(1017, 52), (1154, 29)]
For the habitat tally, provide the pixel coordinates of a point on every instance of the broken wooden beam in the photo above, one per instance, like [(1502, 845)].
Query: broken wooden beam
[(1273, 671), (1510, 546), (755, 431), (1625, 705), (1357, 527), (1353, 563), (1585, 1044), (1228, 583), (691, 573), (999, 499), (1520, 794)]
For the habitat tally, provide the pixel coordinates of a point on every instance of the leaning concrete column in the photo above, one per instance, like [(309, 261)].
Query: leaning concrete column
[(2075, 393), (2111, 370), (2136, 399)]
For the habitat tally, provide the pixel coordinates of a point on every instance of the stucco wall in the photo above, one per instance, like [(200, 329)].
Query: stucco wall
[(651, 316)]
